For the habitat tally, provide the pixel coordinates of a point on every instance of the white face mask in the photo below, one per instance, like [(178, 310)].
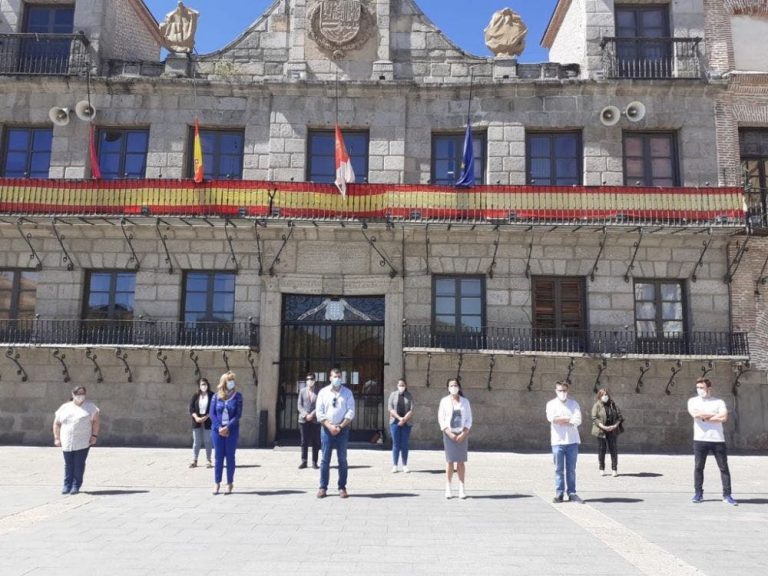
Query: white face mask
[(79, 398), (203, 387), (562, 395), (401, 389), (230, 385), (701, 392), (336, 382), (310, 383), (605, 398), (453, 390)]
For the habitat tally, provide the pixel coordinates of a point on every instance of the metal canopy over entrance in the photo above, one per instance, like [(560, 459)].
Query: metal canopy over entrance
[(323, 332)]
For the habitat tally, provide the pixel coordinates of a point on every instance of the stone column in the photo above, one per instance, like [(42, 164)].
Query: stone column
[(383, 68), (269, 355), (296, 67)]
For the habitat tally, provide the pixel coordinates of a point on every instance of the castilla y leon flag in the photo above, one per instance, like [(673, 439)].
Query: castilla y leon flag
[(344, 172), (95, 168), (198, 155)]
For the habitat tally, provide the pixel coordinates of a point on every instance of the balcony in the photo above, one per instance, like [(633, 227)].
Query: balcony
[(128, 333), (651, 58), (579, 342), (757, 208), (43, 54), (515, 205)]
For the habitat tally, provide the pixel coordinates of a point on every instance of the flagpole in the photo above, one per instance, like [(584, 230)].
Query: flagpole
[(336, 99)]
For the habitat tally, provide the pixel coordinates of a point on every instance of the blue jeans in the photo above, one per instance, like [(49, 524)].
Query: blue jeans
[(224, 448), (74, 468), (400, 437), (328, 442), (565, 457)]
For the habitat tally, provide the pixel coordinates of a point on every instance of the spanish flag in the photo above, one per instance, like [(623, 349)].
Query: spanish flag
[(198, 155)]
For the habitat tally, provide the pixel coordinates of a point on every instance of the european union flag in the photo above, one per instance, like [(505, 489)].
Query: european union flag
[(467, 177)]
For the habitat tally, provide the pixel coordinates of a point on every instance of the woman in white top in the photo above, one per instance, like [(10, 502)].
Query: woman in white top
[(455, 419), (75, 429)]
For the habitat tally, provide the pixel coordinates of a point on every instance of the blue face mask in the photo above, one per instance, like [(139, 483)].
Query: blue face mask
[(336, 382), (230, 385)]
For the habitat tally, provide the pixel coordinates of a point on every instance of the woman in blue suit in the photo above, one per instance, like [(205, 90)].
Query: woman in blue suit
[(226, 410)]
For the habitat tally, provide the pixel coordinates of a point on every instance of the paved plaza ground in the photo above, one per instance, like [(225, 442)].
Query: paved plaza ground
[(143, 512)]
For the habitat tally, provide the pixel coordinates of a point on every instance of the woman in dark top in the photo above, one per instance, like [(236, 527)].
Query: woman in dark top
[(226, 410), (400, 407), (606, 426), (201, 422)]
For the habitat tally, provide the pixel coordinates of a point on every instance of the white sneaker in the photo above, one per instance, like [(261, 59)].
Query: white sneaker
[(614, 473), (448, 494), (405, 470), (603, 473), (462, 494), (394, 469)]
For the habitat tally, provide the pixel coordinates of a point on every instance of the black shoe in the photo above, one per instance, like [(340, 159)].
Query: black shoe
[(302, 465), (66, 490), (315, 466), (74, 491), (557, 499)]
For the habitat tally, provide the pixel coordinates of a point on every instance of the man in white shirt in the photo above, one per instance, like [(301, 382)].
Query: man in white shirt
[(709, 413), (564, 416), (335, 411)]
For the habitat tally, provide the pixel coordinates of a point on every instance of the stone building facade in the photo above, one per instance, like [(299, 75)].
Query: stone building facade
[(614, 254)]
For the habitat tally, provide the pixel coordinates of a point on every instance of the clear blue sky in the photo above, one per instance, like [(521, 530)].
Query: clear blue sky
[(463, 21)]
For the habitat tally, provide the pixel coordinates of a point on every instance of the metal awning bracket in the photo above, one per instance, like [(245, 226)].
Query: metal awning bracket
[(129, 239), (96, 368), (60, 237), (233, 258), (163, 238), (631, 266), (599, 254), (700, 261), (28, 239), (383, 257)]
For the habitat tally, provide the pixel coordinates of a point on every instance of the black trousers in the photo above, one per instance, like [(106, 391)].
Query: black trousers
[(310, 436), (608, 442), (700, 451)]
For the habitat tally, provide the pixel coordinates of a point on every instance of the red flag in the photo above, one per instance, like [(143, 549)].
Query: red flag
[(95, 168), (198, 155), (344, 172)]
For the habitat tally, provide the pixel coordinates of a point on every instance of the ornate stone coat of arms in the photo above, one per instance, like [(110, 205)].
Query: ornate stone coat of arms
[(340, 25)]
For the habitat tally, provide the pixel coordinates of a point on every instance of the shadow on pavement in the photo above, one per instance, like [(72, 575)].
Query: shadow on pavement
[(501, 496), (351, 467), (753, 501), (386, 495), (113, 492), (269, 492), (247, 466), (643, 475), (614, 500), (428, 471)]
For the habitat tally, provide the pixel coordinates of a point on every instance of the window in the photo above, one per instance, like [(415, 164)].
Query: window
[(458, 311), (642, 46), (321, 159), (222, 154), (108, 307), (123, 153), (659, 315), (18, 294), (650, 159), (559, 313), (109, 295), (44, 54), (447, 153), (754, 165), (554, 159), (209, 297), (27, 152)]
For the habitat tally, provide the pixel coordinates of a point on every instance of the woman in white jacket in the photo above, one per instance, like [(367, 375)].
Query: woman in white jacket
[(455, 419)]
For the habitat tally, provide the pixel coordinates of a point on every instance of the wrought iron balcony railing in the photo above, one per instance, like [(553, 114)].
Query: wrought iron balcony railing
[(567, 205), (651, 58), (144, 333), (757, 207), (597, 342), (43, 54)]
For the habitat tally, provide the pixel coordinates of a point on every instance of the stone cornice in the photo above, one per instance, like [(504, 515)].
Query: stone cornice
[(746, 7), (555, 22)]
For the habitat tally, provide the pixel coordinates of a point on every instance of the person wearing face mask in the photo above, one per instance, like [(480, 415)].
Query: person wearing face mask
[(400, 406), (308, 426), (564, 415), (709, 413), (455, 419), (335, 412), (226, 410), (607, 424), (201, 421), (75, 429)]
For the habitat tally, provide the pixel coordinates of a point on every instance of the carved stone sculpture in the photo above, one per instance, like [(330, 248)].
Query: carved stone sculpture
[(340, 25), (179, 29), (505, 33)]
